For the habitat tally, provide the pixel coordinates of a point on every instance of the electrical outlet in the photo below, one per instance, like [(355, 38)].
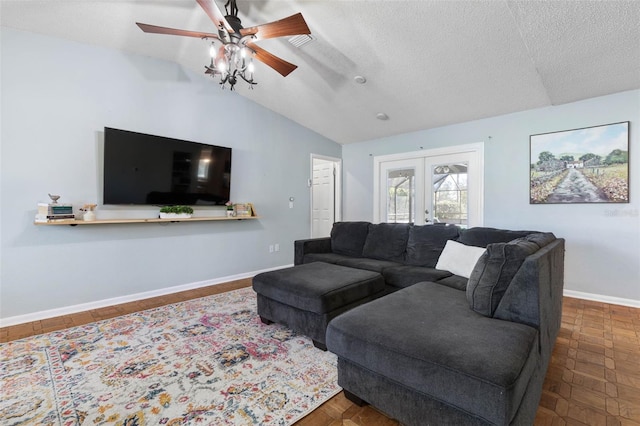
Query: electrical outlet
[(270, 248), (277, 247)]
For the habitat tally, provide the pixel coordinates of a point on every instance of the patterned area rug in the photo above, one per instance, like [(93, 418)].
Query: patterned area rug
[(207, 361)]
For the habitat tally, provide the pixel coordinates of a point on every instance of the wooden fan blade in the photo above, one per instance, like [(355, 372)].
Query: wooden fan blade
[(173, 31), (293, 25), (280, 65), (211, 8)]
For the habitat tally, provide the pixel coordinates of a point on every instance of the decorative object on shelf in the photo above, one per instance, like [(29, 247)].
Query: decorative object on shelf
[(88, 213), (53, 211), (230, 211), (233, 60), (243, 209), (176, 212)]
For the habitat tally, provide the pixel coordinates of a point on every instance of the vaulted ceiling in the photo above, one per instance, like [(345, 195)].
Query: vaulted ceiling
[(426, 63)]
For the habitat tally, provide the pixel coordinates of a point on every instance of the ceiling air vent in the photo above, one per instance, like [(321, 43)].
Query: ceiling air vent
[(301, 40)]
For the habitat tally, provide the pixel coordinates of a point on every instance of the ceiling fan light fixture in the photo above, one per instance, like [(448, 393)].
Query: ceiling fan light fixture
[(382, 116), (221, 66), (229, 62), (232, 48)]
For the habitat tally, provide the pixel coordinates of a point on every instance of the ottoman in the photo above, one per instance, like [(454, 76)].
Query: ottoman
[(306, 297)]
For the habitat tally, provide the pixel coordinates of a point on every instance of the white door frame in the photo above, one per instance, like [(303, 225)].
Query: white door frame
[(338, 187), (476, 185)]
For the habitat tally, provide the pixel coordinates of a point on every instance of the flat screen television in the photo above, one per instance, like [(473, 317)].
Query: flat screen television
[(156, 170)]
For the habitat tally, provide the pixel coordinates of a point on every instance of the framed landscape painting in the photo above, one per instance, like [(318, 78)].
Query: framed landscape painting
[(588, 165)]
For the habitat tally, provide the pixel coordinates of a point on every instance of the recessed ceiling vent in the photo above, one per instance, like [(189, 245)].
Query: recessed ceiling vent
[(300, 40)]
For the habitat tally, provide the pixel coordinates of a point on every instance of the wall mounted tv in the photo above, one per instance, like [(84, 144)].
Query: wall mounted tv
[(156, 170)]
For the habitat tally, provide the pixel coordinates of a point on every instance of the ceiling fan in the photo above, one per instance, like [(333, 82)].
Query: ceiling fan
[(234, 58)]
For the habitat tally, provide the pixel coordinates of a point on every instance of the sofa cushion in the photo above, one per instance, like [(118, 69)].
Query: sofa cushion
[(367, 264), (426, 337), (406, 275), (325, 257), (494, 271), (459, 259), (482, 236), (454, 281), (425, 243), (349, 237), (386, 241)]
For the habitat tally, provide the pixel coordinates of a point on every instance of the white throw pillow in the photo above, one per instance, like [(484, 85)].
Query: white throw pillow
[(459, 259)]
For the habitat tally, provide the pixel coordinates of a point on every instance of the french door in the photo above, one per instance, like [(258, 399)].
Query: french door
[(430, 187)]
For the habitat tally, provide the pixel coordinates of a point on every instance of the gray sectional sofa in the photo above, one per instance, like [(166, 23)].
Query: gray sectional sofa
[(438, 348)]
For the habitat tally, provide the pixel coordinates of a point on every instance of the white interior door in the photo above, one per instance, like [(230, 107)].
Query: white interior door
[(324, 195)]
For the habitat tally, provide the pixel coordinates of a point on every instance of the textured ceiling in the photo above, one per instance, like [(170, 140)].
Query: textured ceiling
[(427, 63)]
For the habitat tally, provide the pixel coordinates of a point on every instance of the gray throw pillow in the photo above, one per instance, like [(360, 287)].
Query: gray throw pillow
[(426, 242), (493, 273), (386, 241), (348, 237)]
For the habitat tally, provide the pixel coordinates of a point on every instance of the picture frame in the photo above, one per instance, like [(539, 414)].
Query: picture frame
[(578, 166), (243, 210)]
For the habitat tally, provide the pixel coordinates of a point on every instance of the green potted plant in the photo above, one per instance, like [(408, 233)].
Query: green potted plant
[(176, 212), (230, 210)]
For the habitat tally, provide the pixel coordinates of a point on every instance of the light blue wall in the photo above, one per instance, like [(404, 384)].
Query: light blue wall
[(57, 96), (603, 240)]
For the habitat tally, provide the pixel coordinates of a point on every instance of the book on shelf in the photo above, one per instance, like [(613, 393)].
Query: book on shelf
[(53, 209), (60, 209), (49, 217), (64, 211), (43, 209), (61, 216)]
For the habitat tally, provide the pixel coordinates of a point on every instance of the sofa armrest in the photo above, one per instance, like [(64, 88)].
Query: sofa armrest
[(534, 296), (312, 245)]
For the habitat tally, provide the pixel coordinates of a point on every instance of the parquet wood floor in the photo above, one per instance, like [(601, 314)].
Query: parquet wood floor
[(593, 378)]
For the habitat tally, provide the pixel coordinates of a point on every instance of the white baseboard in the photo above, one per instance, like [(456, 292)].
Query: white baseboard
[(73, 309), (602, 298), (67, 310)]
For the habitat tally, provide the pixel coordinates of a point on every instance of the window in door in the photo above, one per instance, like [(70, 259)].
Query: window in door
[(450, 194), (401, 196)]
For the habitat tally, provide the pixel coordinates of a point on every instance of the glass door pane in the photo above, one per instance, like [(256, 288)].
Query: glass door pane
[(399, 198), (450, 193), (401, 194)]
